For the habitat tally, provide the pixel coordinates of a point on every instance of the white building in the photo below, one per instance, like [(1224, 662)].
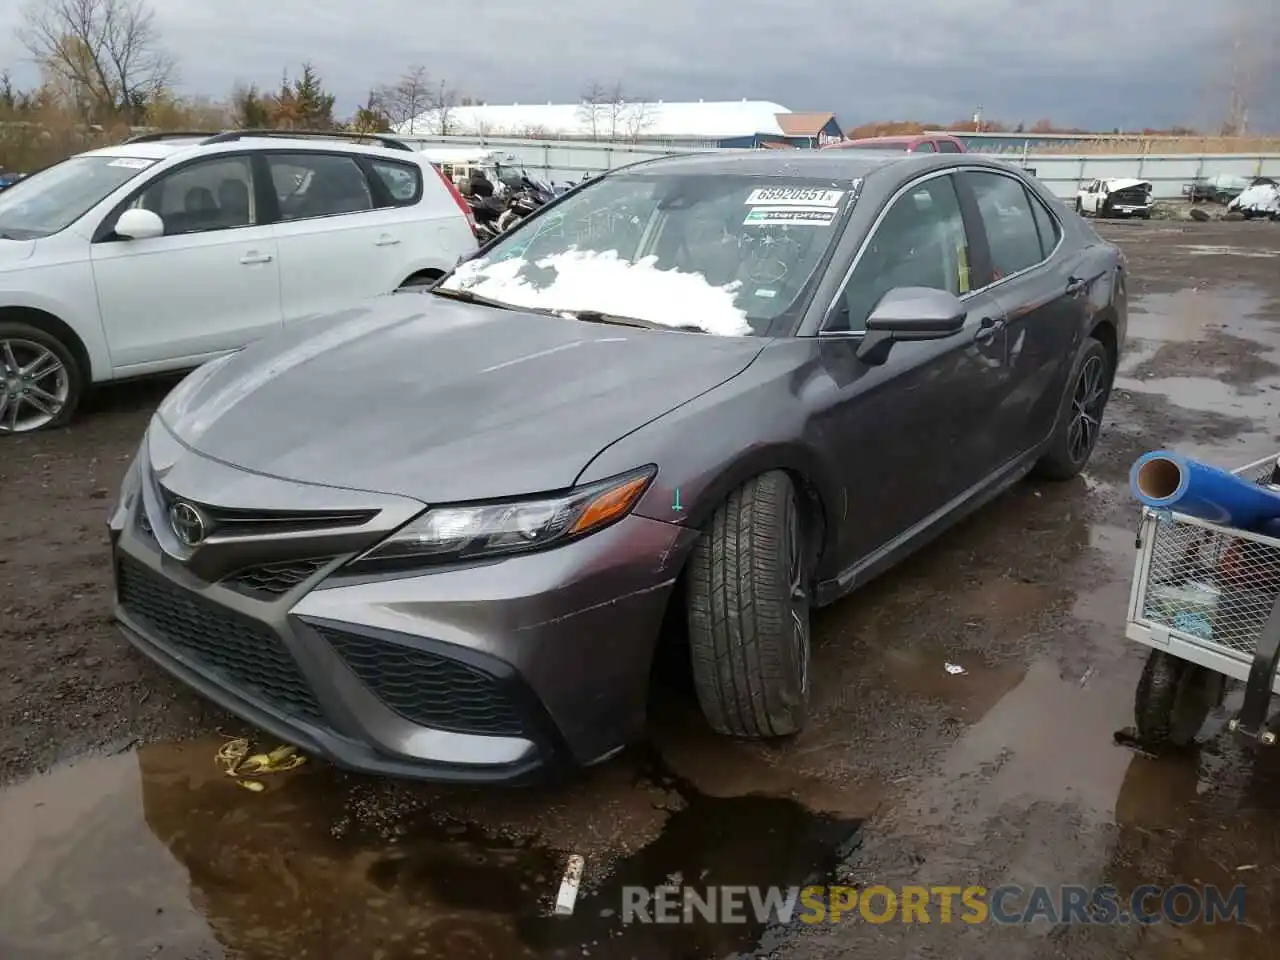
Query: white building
[(701, 122)]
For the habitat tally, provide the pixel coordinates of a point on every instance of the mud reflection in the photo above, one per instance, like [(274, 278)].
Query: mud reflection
[(156, 853)]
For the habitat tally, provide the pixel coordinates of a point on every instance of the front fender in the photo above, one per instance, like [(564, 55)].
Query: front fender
[(706, 448)]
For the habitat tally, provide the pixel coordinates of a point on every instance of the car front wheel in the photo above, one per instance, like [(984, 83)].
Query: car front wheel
[(1080, 422), (40, 380), (748, 612)]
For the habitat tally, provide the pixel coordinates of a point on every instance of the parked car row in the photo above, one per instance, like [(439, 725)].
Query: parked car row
[(437, 534)]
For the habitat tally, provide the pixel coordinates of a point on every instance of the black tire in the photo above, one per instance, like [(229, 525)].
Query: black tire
[(1079, 206), (1174, 698), (1088, 390), (12, 332), (748, 612)]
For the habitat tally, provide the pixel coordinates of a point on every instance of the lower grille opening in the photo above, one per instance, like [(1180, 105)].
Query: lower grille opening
[(240, 653), (429, 690)]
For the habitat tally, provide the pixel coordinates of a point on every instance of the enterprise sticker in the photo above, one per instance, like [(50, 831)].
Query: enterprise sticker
[(769, 218), (794, 197)]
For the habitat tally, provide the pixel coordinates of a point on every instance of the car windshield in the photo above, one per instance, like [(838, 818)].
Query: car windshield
[(721, 253), (53, 199)]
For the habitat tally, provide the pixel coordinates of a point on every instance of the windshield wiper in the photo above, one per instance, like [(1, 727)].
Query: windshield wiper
[(466, 296), (597, 316)]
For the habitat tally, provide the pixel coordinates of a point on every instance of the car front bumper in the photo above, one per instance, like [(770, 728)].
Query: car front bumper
[(496, 671)]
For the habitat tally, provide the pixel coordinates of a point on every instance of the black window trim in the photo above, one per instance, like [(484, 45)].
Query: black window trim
[(105, 231), (981, 256), (963, 184)]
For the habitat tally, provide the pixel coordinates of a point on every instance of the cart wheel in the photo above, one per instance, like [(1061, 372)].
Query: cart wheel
[(1174, 698)]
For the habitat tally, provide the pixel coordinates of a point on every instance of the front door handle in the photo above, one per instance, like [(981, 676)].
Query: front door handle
[(386, 240), (987, 330), (254, 257)]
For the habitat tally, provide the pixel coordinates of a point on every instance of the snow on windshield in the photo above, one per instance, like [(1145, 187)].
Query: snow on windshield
[(604, 281)]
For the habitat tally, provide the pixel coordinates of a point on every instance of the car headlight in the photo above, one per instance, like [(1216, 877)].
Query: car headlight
[(450, 533)]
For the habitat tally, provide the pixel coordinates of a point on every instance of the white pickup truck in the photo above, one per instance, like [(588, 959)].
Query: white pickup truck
[(1120, 197)]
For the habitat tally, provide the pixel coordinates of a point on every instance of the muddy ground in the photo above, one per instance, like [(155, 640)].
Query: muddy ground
[(120, 838)]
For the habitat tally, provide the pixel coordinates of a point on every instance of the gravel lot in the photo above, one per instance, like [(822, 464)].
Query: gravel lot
[(122, 839)]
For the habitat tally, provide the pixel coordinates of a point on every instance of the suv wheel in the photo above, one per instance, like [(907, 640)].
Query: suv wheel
[(748, 612), (40, 380)]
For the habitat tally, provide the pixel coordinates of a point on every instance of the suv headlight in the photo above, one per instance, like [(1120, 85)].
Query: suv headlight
[(451, 533)]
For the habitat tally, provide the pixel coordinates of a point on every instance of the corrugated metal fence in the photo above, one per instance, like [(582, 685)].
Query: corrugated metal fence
[(570, 160)]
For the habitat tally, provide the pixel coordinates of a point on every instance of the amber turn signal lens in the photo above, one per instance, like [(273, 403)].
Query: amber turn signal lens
[(609, 505)]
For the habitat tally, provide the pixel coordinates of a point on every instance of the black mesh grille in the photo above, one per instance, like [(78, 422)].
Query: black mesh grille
[(243, 654), (429, 690), (271, 580)]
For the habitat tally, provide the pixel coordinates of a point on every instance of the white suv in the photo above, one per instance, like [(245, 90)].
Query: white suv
[(170, 249)]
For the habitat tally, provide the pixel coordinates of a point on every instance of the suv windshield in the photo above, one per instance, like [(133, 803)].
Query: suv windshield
[(723, 253), (53, 199)]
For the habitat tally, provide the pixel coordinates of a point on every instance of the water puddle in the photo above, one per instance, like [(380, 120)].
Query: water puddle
[(1210, 250), (1204, 394), (154, 853), (1195, 314)]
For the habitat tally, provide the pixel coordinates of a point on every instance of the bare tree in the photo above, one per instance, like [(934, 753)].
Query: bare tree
[(441, 106), (593, 108), (637, 117), (404, 102), (106, 53)]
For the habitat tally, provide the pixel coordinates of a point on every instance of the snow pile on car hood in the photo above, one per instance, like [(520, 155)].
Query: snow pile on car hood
[(590, 280), (1263, 198)]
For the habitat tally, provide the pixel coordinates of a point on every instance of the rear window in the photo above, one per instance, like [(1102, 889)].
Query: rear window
[(402, 180)]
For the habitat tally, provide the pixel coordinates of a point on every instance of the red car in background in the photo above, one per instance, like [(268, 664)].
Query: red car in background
[(908, 143)]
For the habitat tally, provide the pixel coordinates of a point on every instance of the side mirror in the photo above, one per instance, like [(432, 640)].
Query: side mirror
[(910, 313), (139, 224)]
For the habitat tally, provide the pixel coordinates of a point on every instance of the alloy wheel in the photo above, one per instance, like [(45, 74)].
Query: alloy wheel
[(798, 599), (1087, 401), (34, 386)]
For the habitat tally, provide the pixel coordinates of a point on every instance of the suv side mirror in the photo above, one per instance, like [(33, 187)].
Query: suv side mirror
[(139, 224), (910, 313)]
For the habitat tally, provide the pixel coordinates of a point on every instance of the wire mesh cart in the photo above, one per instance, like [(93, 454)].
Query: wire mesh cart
[(1206, 600)]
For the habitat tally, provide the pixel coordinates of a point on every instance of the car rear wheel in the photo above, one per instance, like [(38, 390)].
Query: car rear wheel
[(40, 380), (748, 612), (1080, 422)]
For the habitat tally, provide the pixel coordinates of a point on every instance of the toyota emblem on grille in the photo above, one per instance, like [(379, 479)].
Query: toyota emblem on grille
[(187, 523)]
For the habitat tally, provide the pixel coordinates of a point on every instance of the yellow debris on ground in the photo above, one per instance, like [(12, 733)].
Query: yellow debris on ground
[(236, 761)]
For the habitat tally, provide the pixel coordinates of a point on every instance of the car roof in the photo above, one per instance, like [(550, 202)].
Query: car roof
[(819, 164), (162, 149)]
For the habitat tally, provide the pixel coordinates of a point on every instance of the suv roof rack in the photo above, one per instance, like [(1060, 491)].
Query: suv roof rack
[(382, 139), (170, 135)]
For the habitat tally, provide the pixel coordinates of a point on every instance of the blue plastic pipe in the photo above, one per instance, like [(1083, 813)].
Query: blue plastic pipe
[(1165, 480)]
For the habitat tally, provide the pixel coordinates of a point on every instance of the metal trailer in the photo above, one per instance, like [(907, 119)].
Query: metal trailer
[(1206, 600)]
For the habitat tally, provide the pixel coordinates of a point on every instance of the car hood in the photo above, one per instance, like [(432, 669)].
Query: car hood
[(425, 397)]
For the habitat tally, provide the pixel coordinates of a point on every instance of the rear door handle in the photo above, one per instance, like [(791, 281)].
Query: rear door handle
[(1076, 286), (386, 240), (254, 257), (988, 329)]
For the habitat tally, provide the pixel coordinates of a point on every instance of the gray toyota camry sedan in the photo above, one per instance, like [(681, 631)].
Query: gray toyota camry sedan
[(437, 535)]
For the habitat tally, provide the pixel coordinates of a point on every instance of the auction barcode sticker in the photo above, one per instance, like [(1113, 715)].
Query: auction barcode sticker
[(794, 197)]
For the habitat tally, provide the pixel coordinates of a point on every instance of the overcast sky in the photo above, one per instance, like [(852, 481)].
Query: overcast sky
[(1094, 63)]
